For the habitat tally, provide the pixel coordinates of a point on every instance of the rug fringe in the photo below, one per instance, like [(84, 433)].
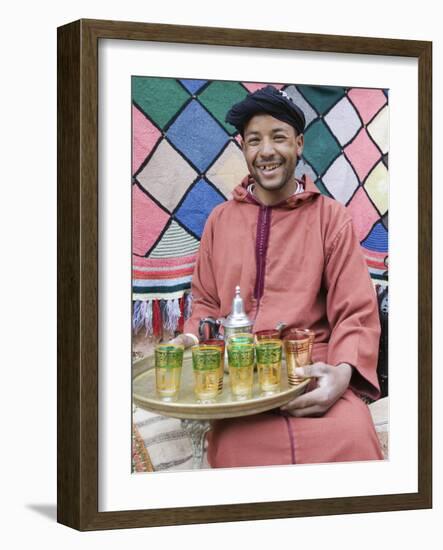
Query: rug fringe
[(158, 315), (188, 304)]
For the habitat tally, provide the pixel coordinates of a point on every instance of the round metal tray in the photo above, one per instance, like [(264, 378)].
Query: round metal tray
[(186, 404)]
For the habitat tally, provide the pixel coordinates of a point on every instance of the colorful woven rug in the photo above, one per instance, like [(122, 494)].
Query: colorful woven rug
[(141, 461), (186, 159)]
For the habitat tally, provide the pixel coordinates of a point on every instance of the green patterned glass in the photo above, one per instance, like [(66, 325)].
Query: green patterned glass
[(206, 361), (168, 366), (241, 369), (269, 356)]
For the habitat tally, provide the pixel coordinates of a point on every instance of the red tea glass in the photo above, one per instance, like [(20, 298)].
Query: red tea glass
[(298, 349), (271, 334)]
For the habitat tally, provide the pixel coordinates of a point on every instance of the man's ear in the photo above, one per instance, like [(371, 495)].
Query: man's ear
[(300, 139)]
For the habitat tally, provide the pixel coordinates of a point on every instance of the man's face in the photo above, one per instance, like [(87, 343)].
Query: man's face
[(271, 147)]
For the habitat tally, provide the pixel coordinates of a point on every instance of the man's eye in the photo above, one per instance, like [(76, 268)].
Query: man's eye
[(253, 141), (280, 138)]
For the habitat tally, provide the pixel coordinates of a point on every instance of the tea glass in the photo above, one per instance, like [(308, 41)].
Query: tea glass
[(241, 369), (206, 361), (168, 367), (269, 355), (219, 344), (298, 350), (240, 338), (271, 334)]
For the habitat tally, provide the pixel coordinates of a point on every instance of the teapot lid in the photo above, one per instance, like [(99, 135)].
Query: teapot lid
[(237, 318)]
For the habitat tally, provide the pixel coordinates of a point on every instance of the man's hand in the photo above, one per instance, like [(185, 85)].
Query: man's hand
[(184, 340), (332, 383)]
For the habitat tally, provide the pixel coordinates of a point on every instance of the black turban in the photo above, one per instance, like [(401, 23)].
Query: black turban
[(267, 100)]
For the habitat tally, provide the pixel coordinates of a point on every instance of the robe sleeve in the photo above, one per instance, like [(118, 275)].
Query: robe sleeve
[(352, 311), (205, 300)]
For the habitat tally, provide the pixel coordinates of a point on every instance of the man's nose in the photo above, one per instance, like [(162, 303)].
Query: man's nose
[(267, 148)]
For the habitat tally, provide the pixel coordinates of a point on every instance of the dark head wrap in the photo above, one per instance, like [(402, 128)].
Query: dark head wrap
[(267, 100)]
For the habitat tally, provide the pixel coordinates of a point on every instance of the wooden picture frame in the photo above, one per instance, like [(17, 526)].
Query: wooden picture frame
[(77, 456)]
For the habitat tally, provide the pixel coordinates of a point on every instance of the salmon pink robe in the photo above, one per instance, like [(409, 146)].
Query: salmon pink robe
[(298, 262)]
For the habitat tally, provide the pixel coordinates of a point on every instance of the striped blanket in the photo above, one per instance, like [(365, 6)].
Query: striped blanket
[(166, 443), (186, 159)]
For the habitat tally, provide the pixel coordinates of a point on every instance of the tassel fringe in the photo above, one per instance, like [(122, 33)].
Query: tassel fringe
[(137, 319), (188, 305), (181, 319), (172, 314), (157, 328), (156, 315), (148, 317)]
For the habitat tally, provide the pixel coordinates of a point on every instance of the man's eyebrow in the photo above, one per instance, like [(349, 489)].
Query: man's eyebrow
[(275, 130), (257, 133)]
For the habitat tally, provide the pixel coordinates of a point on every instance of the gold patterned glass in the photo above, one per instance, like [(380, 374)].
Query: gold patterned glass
[(269, 354), (298, 350), (220, 344), (168, 367), (241, 369), (206, 362)]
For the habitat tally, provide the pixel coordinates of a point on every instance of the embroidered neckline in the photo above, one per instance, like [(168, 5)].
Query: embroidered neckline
[(300, 188)]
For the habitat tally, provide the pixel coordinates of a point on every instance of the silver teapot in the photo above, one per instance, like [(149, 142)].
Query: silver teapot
[(236, 321)]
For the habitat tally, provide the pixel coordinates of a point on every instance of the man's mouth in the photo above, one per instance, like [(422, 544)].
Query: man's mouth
[(270, 167)]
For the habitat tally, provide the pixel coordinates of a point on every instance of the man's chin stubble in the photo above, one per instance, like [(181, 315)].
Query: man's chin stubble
[(273, 188)]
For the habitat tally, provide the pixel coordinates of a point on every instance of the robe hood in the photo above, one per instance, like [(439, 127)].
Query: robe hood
[(310, 193)]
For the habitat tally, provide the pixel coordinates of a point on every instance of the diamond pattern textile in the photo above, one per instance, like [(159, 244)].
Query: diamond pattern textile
[(186, 159), (146, 136), (164, 167), (197, 135), (197, 206)]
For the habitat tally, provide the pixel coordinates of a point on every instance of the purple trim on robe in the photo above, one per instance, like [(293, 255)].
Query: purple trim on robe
[(261, 247), (291, 438)]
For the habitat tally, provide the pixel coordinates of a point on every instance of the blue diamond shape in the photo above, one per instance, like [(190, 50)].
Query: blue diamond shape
[(197, 135), (377, 239), (193, 85), (197, 206)]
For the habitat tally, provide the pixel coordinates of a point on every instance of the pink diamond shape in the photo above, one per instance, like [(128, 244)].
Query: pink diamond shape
[(367, 102), (148, 221), (363, 214), (362, 154), (144, 136), (254, 86)]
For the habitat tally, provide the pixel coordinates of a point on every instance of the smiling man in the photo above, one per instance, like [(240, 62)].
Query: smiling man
[(295, 256), (271, 148)]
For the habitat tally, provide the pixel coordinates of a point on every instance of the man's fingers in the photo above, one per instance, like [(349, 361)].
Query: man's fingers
[(312, 398), (184, 340), (313, 371)]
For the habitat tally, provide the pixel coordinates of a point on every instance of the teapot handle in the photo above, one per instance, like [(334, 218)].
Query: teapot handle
[(214, 326)]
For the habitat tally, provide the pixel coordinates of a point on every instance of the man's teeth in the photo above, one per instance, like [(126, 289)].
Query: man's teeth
[(270, 167)]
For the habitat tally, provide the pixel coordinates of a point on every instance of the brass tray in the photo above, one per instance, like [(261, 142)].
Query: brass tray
[(186, 405)]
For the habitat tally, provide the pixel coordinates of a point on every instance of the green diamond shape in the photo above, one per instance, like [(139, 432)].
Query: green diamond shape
[(160, 98), (219, 97), (322, 98), (320, 147)]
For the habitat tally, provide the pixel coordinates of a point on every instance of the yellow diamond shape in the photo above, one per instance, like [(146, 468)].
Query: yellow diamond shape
[(379, 130), (229, 169), (377, 187)]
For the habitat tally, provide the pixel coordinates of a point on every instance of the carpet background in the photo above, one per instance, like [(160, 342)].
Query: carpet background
[(186, 159)]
